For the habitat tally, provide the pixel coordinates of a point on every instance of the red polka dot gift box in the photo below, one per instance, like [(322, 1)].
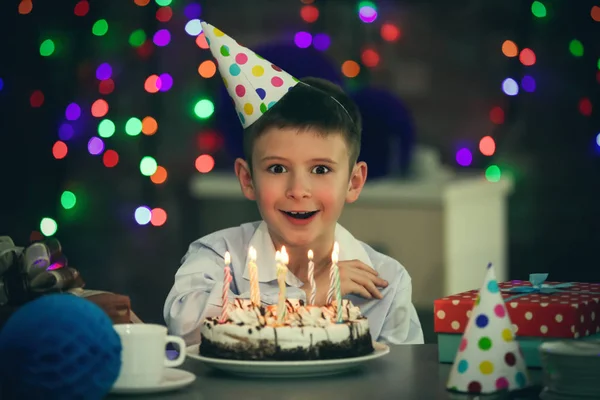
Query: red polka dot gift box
[(539, 311)]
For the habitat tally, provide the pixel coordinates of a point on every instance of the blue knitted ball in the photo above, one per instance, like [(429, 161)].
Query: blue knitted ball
[(59, 347)]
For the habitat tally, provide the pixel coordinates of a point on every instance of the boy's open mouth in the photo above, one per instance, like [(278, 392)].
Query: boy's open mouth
[(299, 214)]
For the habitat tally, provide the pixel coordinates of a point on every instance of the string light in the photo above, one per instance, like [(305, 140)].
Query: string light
[(527, 57), (110, 158), (204, 109), (95, 146), (137, 38), (390, 32), (48, 226), (164, 14), (370, 58), (193, 27), (159, 176), (133, 126), (149, 126), (493, 173), (303, 39), (321, 41), (47, 48), (143, 215), (68, 200), (148, 166), (585, 107), (576, 48), (464, 157), (158, 217), (538, 9), (309, 13), (59, 150), (487, 146), (106, 128), (509, 48), (201, 41), (207, 69), (204, 163), (106, 86), (99, 108), (81, 8), (36, 99), (152, 84), (350, 69), (367, 11), (25, 7), (100, 27), (510, 87)]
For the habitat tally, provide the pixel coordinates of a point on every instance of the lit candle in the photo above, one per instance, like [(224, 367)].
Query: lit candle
[(282, 260), (311, 278), (337, 286), (226, 282), (331, 291), (254, 288)]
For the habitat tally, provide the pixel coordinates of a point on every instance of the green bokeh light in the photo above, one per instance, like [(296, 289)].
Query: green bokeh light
[(493, 173), (48, 226), (204, 108), (148, 166), (538, 9), (137, 38), (576, 48), (100, 27), (133, 127), (68, 200), (106, 128), (47, 48)]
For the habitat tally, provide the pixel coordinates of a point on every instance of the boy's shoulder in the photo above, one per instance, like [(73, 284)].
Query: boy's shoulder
[(221, 240)]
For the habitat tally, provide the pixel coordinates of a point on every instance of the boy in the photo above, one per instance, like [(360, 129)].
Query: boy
[(301, 144)]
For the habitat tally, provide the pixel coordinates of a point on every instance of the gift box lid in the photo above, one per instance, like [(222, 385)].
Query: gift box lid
[(558, 310)]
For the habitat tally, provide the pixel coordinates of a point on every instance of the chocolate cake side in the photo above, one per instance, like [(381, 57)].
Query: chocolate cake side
[(266, 350)]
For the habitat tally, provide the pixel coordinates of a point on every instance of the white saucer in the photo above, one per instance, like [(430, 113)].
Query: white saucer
[(173, 379), (287, 369)]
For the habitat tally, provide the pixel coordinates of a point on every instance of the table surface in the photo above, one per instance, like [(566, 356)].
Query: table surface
[(407, 372)]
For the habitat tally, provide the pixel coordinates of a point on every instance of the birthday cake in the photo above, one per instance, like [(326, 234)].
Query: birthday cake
[(253, 332)]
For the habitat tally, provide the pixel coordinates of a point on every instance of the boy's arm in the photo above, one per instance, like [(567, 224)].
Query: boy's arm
[(402, 325), (195, 295)]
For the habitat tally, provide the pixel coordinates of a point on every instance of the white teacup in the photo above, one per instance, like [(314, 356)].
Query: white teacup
[(144, 356)]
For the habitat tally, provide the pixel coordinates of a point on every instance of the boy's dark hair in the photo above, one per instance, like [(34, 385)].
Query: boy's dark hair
[(311, 104)]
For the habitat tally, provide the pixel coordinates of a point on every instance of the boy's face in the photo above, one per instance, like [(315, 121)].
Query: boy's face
[(300, 181)]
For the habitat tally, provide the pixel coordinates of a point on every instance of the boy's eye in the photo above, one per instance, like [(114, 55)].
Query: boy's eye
[(277, 169), (320, 170)]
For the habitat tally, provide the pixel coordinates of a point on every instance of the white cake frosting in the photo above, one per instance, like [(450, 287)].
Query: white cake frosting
[(303, 326)]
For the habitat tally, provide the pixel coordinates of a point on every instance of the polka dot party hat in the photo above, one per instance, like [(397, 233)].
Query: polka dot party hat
[(489, 358), (254, 84)]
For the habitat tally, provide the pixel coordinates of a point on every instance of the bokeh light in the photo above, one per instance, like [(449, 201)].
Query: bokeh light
[(137, 38), (166, 82), (527, 57), (162, 37), (192, 10), (303, 39), (158, 217), (81, 8), (538, 9), (68, 200), (141, 3), (110, 158), (309, 13), (149, 126), (142, 215), (48, 226), (152, 84), (59, 150), (163, 3), (193, 27), (104, 71), (106, 128), (209, 141), (464, 157), (205, 163), (164, 14), (367, 12), (509, 48), (1, 84), (148, 166), (207, 69), (576, 48), (510, 87), (95, 146), (66, 131), (47, 48), (595, 13), (487, 146), (100, 27), (585, 107), (350, 69), (25, 7), (36, 99), (493, 173), (73, 112), (133, 126), (204, 108), (106, 87), (321, 41), (528, 83), (390, 32), (99, 108), (201, 41), (159, 176), (370, 58)]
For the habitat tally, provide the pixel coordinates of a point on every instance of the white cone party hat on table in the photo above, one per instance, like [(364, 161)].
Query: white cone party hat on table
[(489, 358), (254, 84)]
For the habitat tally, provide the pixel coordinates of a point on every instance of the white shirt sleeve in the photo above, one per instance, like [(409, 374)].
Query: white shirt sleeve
[(195, 295), (402, 325)]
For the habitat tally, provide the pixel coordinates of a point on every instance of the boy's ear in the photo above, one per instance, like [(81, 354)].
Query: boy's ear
[(244, 174), (358, 177)]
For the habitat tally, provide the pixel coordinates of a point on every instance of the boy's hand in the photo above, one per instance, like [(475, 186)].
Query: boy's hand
[(358, 278)]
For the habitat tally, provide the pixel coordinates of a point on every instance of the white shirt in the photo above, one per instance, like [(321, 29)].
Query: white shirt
[(197, 291)]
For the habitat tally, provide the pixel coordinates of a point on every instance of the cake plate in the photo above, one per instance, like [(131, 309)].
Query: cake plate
[(287, 369)]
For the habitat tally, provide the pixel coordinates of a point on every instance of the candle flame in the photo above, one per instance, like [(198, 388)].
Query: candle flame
[(252, 253), (310, 255), (227, 258), (336, 247), (334, 257), (278, 256), (284, 256)]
